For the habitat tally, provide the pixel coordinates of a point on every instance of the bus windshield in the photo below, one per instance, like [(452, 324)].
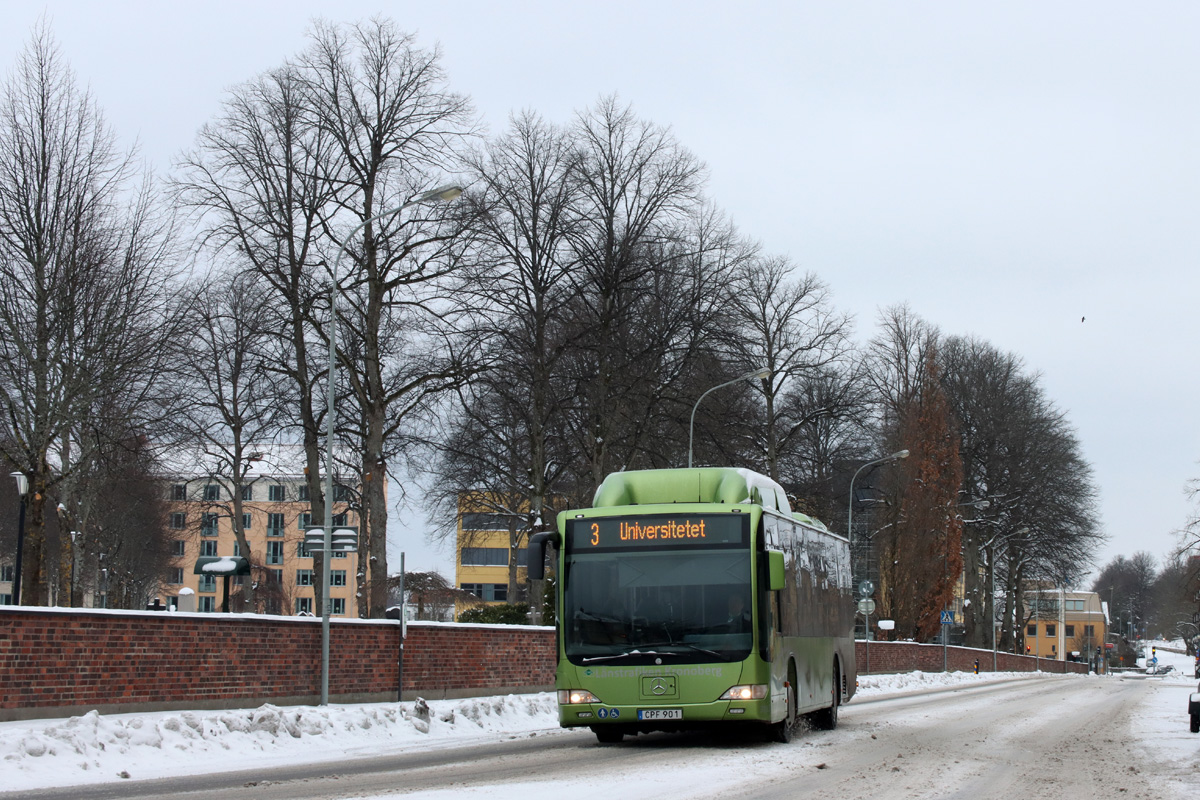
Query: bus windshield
[(635, 607)]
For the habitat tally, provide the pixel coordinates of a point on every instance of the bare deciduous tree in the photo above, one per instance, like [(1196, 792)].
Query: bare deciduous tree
[(396, 129), (85, 284)]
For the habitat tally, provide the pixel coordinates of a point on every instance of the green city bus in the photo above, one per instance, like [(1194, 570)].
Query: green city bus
[(695, 597)]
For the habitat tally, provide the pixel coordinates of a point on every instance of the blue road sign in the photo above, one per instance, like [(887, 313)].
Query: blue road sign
[(947, 617)]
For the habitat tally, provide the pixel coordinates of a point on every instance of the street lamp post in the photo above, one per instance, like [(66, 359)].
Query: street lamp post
[(23, 490), (758, 373), (441, 194), (899, 454), (946, 576), (992, 621)]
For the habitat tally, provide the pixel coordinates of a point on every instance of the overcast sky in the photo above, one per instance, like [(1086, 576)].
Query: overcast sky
[(1006, 171)]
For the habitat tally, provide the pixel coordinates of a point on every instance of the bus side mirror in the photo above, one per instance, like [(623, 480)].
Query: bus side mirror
[(536, 568), (775, 563)]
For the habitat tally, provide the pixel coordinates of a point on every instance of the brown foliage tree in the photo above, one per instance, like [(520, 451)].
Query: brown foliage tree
[(921, 556)]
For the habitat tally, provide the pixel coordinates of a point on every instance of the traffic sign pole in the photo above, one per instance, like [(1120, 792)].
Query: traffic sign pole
[(867, 605), (947, 621)]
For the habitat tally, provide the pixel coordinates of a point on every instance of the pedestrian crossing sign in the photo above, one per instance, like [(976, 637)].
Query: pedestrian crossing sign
[(947, 617)]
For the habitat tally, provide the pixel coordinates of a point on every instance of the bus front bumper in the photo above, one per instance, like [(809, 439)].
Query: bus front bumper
[(665, 715)]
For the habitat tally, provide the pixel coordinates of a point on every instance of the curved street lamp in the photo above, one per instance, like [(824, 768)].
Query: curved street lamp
[(762, 372), (441, 194), (896, 456)]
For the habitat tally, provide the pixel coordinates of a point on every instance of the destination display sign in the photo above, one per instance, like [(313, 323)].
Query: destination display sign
[(663, 531)]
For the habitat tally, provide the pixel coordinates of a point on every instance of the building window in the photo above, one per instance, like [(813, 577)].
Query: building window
[(245, 522), (275, 576), (238, 580), (207, 604), (208, 583), (302, 551), (1074, 605), (339, 519), (341, 493), (304, 605), (6, 572), (212, 491), (1089, 631), (178, 548), (304, 520), (337, 577), (304, 577), (179, 491), (248, 492), (274, 552), (208, 548), (178, 520), (275, 524), (487, 591), (337, 606), (1051, 629), (1031, 630), (484, 522), (177, 575), (1070, 631), (209, 524), (489, 557), (275, 493), (302, 492), (237, 549), (6, 600), (339, 554)]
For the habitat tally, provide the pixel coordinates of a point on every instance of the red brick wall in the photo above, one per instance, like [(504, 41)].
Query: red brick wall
[(52, 659), (458, 660), (908, 656), (58, 662)]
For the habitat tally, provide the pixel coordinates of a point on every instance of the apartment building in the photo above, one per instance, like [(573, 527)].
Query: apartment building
[(1065, 625), (275, 513)]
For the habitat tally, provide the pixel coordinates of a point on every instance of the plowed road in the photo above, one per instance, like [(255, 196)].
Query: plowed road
[(1062, 738)]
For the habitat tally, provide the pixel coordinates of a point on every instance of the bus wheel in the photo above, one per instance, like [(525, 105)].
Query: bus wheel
[(785, 729), (827, 718), (607, 734)]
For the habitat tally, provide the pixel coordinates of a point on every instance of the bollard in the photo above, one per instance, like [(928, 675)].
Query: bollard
[(977, 666)]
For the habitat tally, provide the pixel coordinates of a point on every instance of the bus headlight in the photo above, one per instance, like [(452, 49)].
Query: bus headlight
[(749, 691), (570, 697)]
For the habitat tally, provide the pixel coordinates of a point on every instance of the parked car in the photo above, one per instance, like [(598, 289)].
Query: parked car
[(1194, 710)]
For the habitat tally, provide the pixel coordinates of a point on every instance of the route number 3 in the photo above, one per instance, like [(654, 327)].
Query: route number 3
[(595, 534)]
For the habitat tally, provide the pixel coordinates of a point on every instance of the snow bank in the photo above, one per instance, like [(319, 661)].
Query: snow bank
[(872, 685), (95, 748)]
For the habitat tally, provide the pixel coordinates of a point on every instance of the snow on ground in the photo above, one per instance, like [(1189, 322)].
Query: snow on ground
[(1161, 730), (96, 748)]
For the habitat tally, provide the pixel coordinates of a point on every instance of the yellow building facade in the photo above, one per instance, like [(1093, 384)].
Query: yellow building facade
[(482, 553), (1065, 625)]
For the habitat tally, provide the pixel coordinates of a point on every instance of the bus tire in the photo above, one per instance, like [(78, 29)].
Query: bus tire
[(608, 734), (827, 718), (785, 730), (1195, 723)]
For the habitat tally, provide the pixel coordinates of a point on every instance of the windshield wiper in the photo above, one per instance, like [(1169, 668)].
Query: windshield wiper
[(691, 646), (634, 652)]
